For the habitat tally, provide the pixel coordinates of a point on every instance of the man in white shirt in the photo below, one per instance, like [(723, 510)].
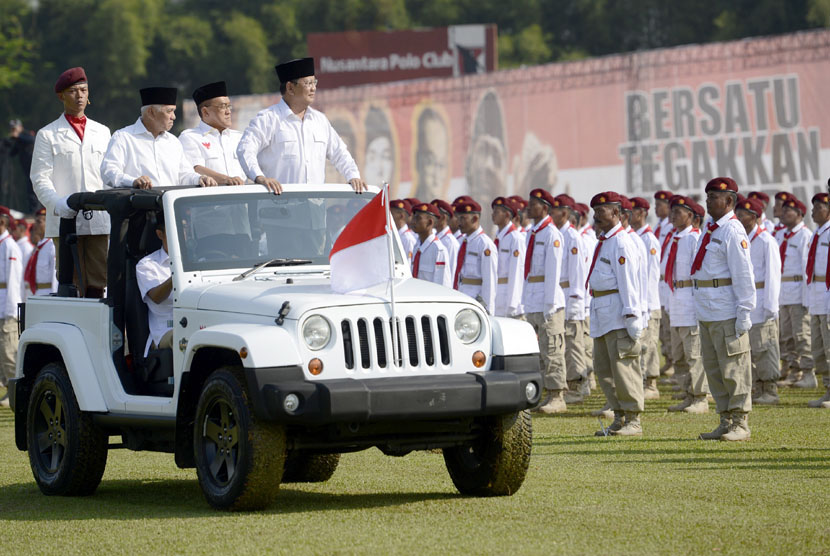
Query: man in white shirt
[(20, 233), (589, 240), (794, 241), (724, 299), (67, 159), (818, 295), (401, 211), (290, 141), (763, 336), (511, 258), (457, 233), (145, 154), (476, 268), (155, 282), (662, 232), (11, 275), (445, 234), (763, 198), (430, 260), (39, 276)]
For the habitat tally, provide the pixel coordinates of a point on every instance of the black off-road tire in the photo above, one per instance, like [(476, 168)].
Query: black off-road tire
[(302, 467), (496, 463), (239, 460), (67, 450)]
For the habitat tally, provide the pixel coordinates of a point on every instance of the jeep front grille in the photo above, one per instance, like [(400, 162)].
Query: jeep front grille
[(367, 344)]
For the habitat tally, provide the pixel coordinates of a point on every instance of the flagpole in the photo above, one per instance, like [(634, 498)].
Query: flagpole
[(389, 228)]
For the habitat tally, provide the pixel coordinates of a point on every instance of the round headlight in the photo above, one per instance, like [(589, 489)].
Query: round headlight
[(316, 332), (467, 325)]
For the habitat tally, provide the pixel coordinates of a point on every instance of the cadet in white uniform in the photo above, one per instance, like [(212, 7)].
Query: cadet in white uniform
[(11, 276), (511, 263), (401, 211), (763, 221), (663, 232), (430, 261), (445, 234), (477, 265), (724, 299), (818, 295), (458, 234), (651, 355), (794, 241), (589, 241), (616, 324), (763, 336), (543, 299), (39, 277)]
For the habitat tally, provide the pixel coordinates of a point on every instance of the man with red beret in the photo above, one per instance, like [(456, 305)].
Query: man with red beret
[(780, 198), (724, 299), (459, 235), (401, 212), (818, 295), (663, 232), (67, 159), (642, 254), (794, 241), (685, 333), (39, 276), (521, 221), (763, 198), (589, 242), (543, 299), (445, 232), (476, 269), (11, 275), (616, 322), (511, 258), (430, 259), (763, 336)]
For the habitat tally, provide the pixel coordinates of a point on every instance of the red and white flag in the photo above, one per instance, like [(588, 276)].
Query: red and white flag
[(360, 255)]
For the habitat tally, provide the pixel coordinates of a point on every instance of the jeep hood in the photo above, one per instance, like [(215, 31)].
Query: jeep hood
[(265, 297)]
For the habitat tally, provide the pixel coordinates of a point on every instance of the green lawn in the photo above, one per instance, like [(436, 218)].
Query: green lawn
[(665, 493)]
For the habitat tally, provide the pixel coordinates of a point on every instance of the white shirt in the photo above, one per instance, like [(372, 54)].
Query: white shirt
[(574, 273), (432, 262), (62, 164), (134, 152), (451, 244), (409, 240), (642, 261), (480, 264), (204, 146), (11, 272), (768, 224), (615, 269), (662, 230), (681, 303), (653, 265), (44, 269), (26, 248), (795, 264), (277, 144), (766, 267), (589, 241), (510, 271), (727, 256), (544, 296), (151, 271), (818, 297), (663, 291)]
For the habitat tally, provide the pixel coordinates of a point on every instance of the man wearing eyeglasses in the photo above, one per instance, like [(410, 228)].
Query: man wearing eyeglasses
[(211, 146), (289, 142)]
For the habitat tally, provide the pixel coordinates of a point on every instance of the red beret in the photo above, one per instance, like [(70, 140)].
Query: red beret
[(413, 201), (821, 198), (698, 209), (640, 203), (428, 208), (467, 207), (542, 195), (401, 204), (507, 203), (753, 205), (441, 204), (760, 195), (722, 184), (663, 195), (782, 196), (564, 201), (681, 201), (740, 199), (5, 210), (625, 203), (794, 203), (521, 203), (606, 197), (69, 78), (462, 199), (582, 209)]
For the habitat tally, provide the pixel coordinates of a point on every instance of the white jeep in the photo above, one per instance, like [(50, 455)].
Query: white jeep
[(271, 375)]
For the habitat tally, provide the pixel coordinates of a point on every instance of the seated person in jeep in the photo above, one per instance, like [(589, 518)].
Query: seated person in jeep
[(155, 283)]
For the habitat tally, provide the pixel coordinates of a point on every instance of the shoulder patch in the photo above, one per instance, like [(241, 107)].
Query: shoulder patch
[(556, 243), (574, 250), (621, 260), (653, 251), (743, 243), (486, 252), (516, 253)]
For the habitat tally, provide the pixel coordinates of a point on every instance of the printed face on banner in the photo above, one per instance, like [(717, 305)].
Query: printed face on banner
[(344, 124), (487, 153), (379, 158), (432, 154)]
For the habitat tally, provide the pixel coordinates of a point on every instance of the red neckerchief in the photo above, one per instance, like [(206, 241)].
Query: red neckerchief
[(701, 252), (78, 124), (600, 239), (783, 248), (512, 227), (30, 275), (529, 255), (666, 243), (757, 233)]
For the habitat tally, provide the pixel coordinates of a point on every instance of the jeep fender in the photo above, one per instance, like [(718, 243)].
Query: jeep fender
[(69, 340), (513, 337), (266, 346)]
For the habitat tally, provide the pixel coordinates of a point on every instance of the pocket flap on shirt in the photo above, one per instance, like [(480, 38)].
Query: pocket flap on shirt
[(735, 345)]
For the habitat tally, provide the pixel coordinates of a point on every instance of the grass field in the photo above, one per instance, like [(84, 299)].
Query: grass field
[(665, 493)]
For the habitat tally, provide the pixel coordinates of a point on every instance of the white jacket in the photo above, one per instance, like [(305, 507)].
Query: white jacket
[(62, 165)]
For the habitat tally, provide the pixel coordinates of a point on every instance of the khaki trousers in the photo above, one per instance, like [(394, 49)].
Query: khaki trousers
[(92, 257), (575, 350), (617, 365), (650, 359), (665, 335), (8, 349), (551, 347), (764, 351), (727, 363), (794, 328), (588, 343), (820, 333), (686, 357)]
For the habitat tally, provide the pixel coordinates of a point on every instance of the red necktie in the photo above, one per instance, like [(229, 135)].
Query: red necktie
[(594, 260), (30, 274), (783, 248), (670, 264), (415, 263), (666, 244), (811, 258), (702, 251), (460, 262), (657, 231), (531, 243)]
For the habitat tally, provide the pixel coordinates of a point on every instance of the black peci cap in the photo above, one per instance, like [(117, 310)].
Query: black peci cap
[(295, 69), (209, 91), (158, 95)]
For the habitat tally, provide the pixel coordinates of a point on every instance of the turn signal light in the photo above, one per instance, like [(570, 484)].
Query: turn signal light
[(479, 359), (315, 366), (243, 353)]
